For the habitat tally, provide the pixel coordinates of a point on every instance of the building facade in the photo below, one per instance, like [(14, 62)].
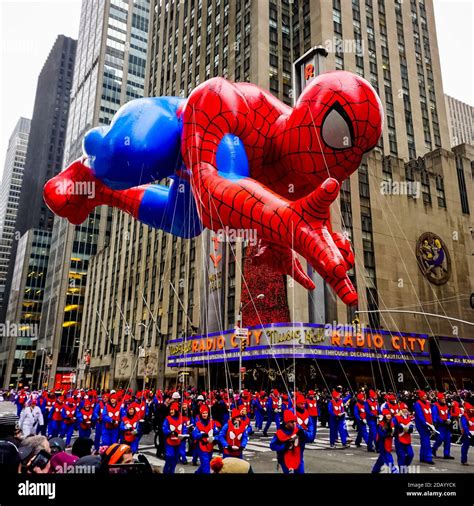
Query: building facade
[(43, 160), (148, 287), (10, 195), (460, 121), (109, 70), (24, 307)]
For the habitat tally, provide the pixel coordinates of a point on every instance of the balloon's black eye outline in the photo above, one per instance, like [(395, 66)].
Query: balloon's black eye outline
[(336, 128)]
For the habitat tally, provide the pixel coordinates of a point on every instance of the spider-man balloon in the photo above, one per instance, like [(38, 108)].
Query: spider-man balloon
[(236, 157)]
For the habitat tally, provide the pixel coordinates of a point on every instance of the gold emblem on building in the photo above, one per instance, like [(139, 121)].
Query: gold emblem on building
[(433, 258)]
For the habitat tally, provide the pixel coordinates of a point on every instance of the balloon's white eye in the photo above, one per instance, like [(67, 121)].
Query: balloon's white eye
[(335, 130)]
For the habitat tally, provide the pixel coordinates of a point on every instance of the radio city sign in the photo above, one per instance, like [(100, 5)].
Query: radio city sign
[(300, 340)]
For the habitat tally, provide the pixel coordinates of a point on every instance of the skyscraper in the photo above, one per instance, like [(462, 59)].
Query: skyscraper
[(10, 194), (460, 121), (109, 70), (158, 280), (43, 160)]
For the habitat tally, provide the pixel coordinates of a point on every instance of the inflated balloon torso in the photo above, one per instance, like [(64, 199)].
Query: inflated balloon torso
[(239, 158)]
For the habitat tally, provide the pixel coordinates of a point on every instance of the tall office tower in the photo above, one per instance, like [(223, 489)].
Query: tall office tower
[(460, 121), (43, 160), (109, 70), (10, 194), (148, 287)]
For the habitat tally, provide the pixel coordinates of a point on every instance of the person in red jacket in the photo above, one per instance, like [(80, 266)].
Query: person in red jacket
[(467, 431), (233, 436), (404, 427), (372, 419), (56, 417), (129, 429), (274, 409), (84, 419), (385, 430), (174, 431), (360, 415), (69, 419), (205, 431), (312, 405), (424, 425), (442, 422), (111, 421), (289, 442)]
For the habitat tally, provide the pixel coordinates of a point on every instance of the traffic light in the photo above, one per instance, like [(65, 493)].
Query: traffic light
[(243, 344)]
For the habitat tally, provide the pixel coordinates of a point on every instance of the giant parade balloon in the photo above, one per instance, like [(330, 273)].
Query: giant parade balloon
[(233, 156)]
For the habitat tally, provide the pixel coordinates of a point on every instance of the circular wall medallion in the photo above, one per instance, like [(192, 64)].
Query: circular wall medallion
[(433, 258)]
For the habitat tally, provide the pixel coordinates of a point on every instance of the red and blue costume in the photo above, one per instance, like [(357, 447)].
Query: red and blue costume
[(312, 405), (85, 420), (404, 427), (20, 401), (424, 425), (467, 431), (56, 418), (111, 421), (69, 419), (259, 408), (274, 408), (289, 441), (442, 422), (174, 430), (129, 429), (385, 430), (204, 433), (373, 411), (233, 436), (238, 158), (360, 415), (337, 419), (98, 410)]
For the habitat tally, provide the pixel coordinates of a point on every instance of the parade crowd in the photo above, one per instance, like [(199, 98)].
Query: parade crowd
[(213, 427)]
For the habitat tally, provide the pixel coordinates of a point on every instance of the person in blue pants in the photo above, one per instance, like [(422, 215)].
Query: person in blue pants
[(337, 424), (204, 432), (385, 441), (288, 442), (360, 415), (174, 431), (424, 425), (111, 420), (442, 422), (404, 427), (97, 419), (85, 419), (274, 407), (467, 431), (373, 411), (259, 408), (69, 416)]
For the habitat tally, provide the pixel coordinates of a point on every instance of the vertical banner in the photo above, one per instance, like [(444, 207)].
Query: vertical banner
[(305, 70), (212, 307)]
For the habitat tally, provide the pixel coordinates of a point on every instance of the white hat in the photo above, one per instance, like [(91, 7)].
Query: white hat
[(200, 398), (176, 395)]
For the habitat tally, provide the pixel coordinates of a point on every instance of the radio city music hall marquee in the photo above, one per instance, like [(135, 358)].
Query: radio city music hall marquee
[(300, 340)]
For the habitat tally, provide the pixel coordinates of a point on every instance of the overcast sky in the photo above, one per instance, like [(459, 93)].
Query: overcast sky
[(30, 27)]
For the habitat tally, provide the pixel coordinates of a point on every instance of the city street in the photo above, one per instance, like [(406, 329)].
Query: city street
[(319, 458)]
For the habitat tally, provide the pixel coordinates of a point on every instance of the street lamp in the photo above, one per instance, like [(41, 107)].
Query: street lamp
[(241, 336)]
